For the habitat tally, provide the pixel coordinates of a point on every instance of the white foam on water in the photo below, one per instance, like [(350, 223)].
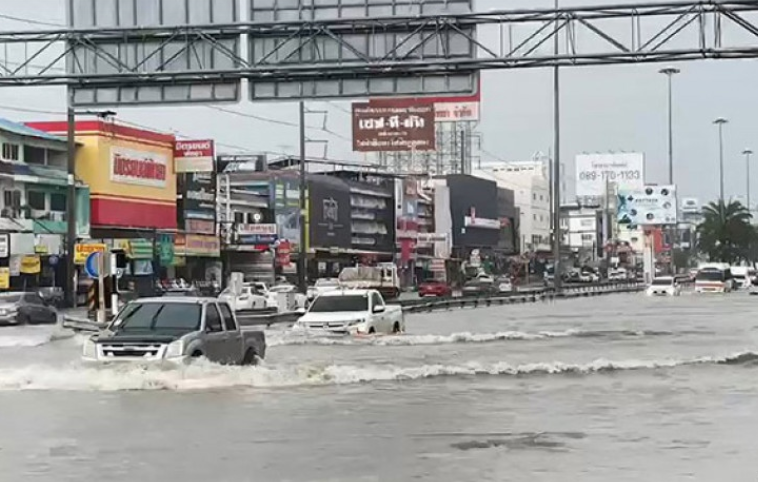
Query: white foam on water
[(203, 375), (34, 336)]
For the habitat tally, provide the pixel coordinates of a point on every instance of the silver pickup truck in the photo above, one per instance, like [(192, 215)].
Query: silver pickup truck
[(175, 330)]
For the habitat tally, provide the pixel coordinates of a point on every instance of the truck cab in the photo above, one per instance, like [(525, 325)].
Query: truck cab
[(351, 312)]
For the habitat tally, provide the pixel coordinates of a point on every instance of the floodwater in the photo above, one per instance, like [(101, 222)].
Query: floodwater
[(621, 388)]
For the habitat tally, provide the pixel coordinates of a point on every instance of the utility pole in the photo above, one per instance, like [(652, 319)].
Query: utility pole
[(556, 163), (302, 279), (71, 283), (670, 72)]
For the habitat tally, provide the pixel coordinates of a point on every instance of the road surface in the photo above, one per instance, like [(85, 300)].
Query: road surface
[(621, 388)]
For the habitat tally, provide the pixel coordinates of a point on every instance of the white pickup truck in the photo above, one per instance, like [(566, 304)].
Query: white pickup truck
[(351, 312)]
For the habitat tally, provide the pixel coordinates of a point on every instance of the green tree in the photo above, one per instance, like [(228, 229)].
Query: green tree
[(726, 235)]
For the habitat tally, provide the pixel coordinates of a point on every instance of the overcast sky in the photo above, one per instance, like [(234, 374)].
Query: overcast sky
[(604, 108)]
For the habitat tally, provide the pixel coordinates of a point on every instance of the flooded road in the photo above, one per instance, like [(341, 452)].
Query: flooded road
[(622, 388)]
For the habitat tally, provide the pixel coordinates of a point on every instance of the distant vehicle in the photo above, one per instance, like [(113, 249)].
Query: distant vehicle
[(175, 330), (21, 308), (351, 312), (586, 276), (383, 278), (714, 279), (617, 275), (743, 276), (664, 286), (299, 300), (477, 287), (438, 289), (247, 299), (485, 278), (504, 285), (322, 285)]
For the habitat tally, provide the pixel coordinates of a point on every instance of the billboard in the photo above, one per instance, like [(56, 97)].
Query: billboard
[(364, 46), (649, 206), (151, 48), (193, 156), (691, 205), (603, 173), (386, 126), (330, 214), (198, 201)]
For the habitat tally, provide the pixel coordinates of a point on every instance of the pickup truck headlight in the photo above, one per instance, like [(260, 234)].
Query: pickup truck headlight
[(89, 350), (175, 349), (356, 322)]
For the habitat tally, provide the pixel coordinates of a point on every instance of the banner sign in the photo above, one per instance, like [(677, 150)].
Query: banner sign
[(198, 192), (256, 233), (193, 156), (81, 251), (650, 206), (141, 168), (31, 265), (598, 175), (4, 245), (382, 126), (456, 111)]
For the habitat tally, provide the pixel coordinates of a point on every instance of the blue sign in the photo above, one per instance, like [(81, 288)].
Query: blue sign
[(53, 260), (90, 265), (258, 239)]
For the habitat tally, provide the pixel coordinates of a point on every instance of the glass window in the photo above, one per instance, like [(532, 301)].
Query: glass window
[(376, 300), (180, 317), (10, 152), (328, 304), (12, 199), (226, 312), (36, 200), (212, 318), (33, 299), (58, 202)]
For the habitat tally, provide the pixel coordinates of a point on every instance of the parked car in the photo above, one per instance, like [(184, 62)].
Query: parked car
[(175, 330), (22, 308), (351, 312), (437, 289), (322, 285), (247, 299), (505, 285), (664, 286), (476, 287), (299, 300)]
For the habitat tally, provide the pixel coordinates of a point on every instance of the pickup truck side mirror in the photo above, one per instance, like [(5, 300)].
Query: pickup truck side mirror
[(379, 309), (300, 311)]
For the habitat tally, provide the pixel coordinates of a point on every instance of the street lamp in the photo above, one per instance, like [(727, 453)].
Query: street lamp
[(670, 72), (747, 153), (720, 121)]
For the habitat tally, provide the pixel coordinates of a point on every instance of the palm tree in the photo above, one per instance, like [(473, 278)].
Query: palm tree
[(726, 234)]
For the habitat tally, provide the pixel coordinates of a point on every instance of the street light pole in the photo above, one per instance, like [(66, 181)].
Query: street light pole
[(556, 162), (747, 152), (670, 72), (720, 123), (302, 280)]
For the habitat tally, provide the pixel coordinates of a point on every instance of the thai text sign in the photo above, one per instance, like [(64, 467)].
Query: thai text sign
[(381, 126), (598, 175), (129, 166), (193, 156), (81, 251)]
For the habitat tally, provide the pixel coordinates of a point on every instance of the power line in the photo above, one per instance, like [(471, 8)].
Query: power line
[(31, 21)]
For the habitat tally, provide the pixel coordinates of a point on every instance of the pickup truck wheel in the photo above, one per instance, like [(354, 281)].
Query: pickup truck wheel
[(250, 358), (197, 354), (396, 328), (371, 331)]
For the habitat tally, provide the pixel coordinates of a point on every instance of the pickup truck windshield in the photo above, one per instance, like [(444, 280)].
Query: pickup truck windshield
[(710, 275), (329, 304), (159, 316)]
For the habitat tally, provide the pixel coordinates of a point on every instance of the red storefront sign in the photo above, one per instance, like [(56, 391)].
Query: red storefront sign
[(283, 253), (194, 156)]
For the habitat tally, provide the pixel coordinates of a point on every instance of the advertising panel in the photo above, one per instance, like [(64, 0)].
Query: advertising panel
[(649, 206), (198, 196), (81, 251), (691, 205), (257, 233), (201, 246), (456, 111), (598, 173), (285, 199), (5, 278), (31, 264), (384, 126), (142, 168), (330, 216), (4, 246), (193, 156)]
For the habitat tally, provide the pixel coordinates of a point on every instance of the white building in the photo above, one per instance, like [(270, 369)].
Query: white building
[(531, 187)]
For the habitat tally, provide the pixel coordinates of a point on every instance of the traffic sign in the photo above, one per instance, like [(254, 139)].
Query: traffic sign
[(91, 264)]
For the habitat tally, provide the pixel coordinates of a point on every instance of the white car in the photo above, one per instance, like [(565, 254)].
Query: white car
[(504, 285), (664, 286), (247, 299), (299, 300), (351, 312), (323, 285)]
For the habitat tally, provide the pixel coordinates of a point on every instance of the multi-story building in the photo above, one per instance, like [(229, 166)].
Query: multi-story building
[(33, 222), (530, 185)]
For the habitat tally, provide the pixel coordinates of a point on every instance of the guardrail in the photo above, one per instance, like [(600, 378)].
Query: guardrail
[(422, 305)]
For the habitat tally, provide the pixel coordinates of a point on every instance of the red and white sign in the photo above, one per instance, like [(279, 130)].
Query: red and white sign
[(456, 111), (194, 156), (283, 252), (138, 167)]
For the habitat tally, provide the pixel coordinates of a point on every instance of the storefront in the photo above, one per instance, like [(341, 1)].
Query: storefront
[(132, 183), (197, 258)]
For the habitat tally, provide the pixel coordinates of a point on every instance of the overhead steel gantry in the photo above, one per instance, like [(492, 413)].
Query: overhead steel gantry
[(329, 49)]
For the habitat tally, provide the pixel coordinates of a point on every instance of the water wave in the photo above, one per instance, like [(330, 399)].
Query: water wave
[(203, 375), (275, 338)]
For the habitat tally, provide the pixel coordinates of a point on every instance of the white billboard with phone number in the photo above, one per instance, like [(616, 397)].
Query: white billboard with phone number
[(597, 173)]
